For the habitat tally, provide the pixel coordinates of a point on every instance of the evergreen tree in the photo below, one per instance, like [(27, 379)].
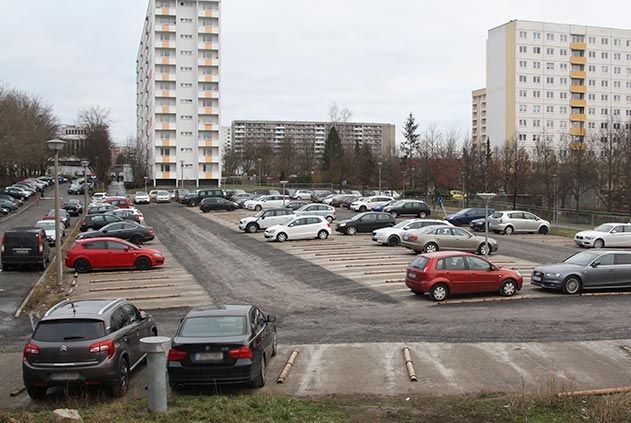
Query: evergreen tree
[(332, 151), (411, 138)]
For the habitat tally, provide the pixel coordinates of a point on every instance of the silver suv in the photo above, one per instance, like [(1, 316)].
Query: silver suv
[(326, 211), (512, 221), (90, 342)]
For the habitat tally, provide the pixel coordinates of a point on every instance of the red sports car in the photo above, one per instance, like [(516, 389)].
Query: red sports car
[(111, 253), (453, 272)]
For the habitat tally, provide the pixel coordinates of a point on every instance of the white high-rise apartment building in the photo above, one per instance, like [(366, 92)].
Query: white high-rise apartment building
[(478, 119), (178, 101), (556, 82)]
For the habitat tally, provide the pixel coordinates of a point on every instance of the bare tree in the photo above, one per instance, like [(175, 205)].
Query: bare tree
[(516, 168), (98, 143), (609, 145)]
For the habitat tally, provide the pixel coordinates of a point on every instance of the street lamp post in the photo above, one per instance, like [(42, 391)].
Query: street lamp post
[(146, 179), (554, 199), (182, 167), (283, 183), (85, 164), (486, 196), (379, 164), (260, 176), (56, 146)]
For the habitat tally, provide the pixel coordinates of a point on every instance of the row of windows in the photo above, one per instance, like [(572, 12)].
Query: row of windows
[(166, 167), (564, 52), (536, 35), (577, 96)]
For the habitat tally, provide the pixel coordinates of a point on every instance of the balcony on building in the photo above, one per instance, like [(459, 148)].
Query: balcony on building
[(579, 132), (208, 111), (165, 11), (166, 159), (208, 46), (165, 93), (208, 29), (208, 143), (209, 13)]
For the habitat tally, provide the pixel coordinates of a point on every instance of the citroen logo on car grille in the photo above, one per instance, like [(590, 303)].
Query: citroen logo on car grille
[(63, 348)]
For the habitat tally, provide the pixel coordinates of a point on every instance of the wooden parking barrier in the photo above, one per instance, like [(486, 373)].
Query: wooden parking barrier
[(290, 363), (360, 258), (17, 391), (626, 348), (483, 300), (409, 365), (594, 392)]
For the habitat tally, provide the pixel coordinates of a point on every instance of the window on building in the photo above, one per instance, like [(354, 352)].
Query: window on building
[(563, 66), (604, 55), (536, 123), (550, 65), (523, 108), (549, 94), (591, 40), (563, 95), (563, 37), (604, 69), (563, 81), (523, 64), (186, 20), (549, 109), (186, 101), (604, 83), (616, 69), (522, 78), (591, 68), (549, 80), (563, 51), (522, 49), (536, 94), (563, 124), (604, 112), (186, 68), (536, 108), (165, 167), (536, 65), (536, 50), (536, 79), (549, 124), (522, 137), (186, 117), (186, 133), (591, 97), (186, 52), (549, 36), (186, 84), (550, 51), (522, 123), (604, 41), (591, 54), (186, 36), (523, 34), (164, 151), (522, 93), (536, 35), (591, 111), (617, 56), (604, 97)]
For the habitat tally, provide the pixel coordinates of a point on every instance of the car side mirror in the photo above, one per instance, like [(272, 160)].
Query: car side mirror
[(143, 314), (105, 231), (126, 249), (407, 228), (262, 217), (492, 268), (271, 318), (595, 264)]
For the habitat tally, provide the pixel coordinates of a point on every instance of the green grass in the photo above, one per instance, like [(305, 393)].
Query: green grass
[(564, 232)]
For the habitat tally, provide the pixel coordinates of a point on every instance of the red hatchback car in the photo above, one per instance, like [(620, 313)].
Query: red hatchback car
[(120, 202), (453, 272), (111, 253)]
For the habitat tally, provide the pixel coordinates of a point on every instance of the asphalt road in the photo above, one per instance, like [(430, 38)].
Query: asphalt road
[(316, 306)]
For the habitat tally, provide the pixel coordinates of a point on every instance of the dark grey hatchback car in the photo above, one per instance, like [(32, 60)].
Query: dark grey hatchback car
[(89, 342)]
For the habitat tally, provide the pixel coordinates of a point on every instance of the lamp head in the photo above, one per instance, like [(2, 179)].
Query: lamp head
[(56, 145)]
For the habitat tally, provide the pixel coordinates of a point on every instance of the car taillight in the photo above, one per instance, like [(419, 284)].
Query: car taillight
[(177, 355), (412, 237), (242, 352), (30, 349), (2, 243), (40, 245), (101, 346)]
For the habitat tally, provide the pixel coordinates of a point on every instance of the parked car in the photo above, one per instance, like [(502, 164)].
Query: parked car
[(16, 192), (295, 205), (63, 216), (301, 194), (14, 200), (141, 197), (163, 196), (216, 203), (85, 342), (240, 198), (365, 222), (478, 225), (511, 221), (24, 246), (4, 211), (152, 194), (130, 231), (49, 228), (369, 203), (9, 205), (264, 219), (184, 200), (434, 238), (392, 236), (97, 221), (443, 274), (266, 202), (465, 216), (101, 208), (197, 198), (382, 206), (222, 344), (111, 253), (120, 202), (179, 194), (128, 214), (408, 208), (327, 200), (319, 194), (328, 212), (99, 196), (233, 193), (605, 235), (586, 270), (299, 227), (340, 198), (347, 201), (73, 206)]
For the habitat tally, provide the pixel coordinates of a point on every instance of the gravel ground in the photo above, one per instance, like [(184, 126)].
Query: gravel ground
[(316, 306)]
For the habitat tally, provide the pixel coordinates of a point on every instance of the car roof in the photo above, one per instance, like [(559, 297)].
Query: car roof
[(220, 310), (95, 308), (23, 229), (443, 254), (103, 238)]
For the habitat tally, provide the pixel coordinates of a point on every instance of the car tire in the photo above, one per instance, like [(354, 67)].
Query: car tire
[(430, 247), (393, 241), (205, 210), (508, 288), (82, 266), (329, 219), (36, 392), (323, 234), (394, 214), (258, 208), (483, 247), (136, 239), (571, 285), (5, 267), (363, 209), (281, 237), (351, 230), (422, 215), (119, 389), (599, 243), (143, 263), (439, 292), (251, 228), (509, 230), (259, 380), (544, 230)]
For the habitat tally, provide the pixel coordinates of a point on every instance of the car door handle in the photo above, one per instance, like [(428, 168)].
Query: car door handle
[(125, 339)]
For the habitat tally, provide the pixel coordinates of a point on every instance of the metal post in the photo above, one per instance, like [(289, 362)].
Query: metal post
[(58, 258), (260, 175), (85, 164), (146, 179), (486, 226), (182, 166), (156, 348), (283, 183), (379, 164)]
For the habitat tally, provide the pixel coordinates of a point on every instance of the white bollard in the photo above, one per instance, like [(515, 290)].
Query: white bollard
[(156, 348)]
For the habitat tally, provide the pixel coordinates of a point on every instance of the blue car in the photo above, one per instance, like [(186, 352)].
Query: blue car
[(383, 206), (465, 216)]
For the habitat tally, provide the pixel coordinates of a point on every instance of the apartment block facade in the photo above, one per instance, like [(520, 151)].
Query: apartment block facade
[(562, 84), (379, 136), (478, 119), (75, 138), (178, 91)]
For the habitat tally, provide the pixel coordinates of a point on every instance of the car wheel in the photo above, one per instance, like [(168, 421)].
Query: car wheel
[(393, 241), (430, 247), (82, 266), (351, 230), (323, 234), (136, 239), (43, 264), (484, 249), (5, 267), (119, 388), (363, 209), (439, 292), (281, 237), (143, 263), (36, 392), (259, 380), (204, 210), (508, 288), (544, 230), (275, 345), (394, 214), (422, 215), (251, 228), (571, 285), (258, 208), (599, 243), (509, 230), (329, 219)]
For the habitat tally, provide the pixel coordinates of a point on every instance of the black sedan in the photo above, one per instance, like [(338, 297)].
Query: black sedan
[(73, 207), (9, 205), (97, 221), (101, 208), (222, 344), (15, 201), (365, 222), (217, 203), (130, 231), (465, 216), (408, 208), (295, 205)]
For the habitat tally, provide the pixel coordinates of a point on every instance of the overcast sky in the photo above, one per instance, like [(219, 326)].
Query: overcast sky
[(282, 59)]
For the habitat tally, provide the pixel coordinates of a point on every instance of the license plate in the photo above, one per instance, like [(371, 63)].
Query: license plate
[(411, 274), (208, 356), (65, 376), (21, 250), (536, 278)]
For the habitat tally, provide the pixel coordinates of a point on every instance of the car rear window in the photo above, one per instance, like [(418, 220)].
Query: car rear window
[(18, 239), (497, 215), (69, 330), (420, 262), (213, 326)]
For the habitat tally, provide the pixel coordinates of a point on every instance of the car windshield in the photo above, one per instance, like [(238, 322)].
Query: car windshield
[(402, 224), (497, 215), (141, 193), (398, 203), (69, 329), (259, 214), (604, 228), (419, 262), (163, 193), (47, 225), (582, 259), (463, 211), (213, 326)]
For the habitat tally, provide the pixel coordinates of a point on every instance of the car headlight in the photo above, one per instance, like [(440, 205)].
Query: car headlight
[(270, 231), (589, 237), (553, 275), (342, 224), (157, 254)]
